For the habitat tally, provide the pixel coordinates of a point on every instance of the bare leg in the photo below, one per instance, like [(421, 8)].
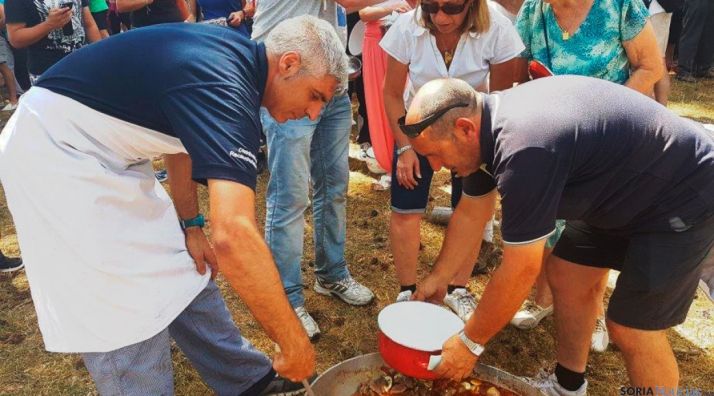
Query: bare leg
[(669, 57), (543, 295), (577, 297), (662, 88), (602, 286), (9, 78), (648, 356), (404, 237)]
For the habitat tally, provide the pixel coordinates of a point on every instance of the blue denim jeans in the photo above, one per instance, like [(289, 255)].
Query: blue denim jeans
[(303, 154), (206, 334)]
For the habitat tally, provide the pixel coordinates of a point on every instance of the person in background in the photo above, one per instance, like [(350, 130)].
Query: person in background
[(356, 88), (153, 12), (696, 41), (660, 18), (50, 31), (374, 68), (22, 76), (233, 10), (310, 154), (99, 10), (118, 21), (509, 8), (607, 39), (675, 30), (7, 63), (249, 10), (467, 40)]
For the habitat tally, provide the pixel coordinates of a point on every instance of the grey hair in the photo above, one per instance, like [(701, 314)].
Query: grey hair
[(320, 48), (443, 93)]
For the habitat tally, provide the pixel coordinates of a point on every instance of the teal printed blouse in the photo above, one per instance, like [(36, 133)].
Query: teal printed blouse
[(595, 49)]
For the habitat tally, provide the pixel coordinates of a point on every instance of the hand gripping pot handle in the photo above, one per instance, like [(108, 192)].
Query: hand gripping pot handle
[(412, 333), (434, 361)]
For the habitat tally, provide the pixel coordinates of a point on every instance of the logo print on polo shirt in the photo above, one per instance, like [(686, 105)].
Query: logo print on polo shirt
[(244, 155)]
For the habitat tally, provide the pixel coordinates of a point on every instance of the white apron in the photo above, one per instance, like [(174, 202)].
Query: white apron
[(103, 250)]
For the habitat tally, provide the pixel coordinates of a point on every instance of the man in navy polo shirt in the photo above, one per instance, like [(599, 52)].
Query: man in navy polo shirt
[(635, 183), (115, 268)]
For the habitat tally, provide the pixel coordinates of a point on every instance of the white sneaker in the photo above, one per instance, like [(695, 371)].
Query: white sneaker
[(10, 107), (374, 166), (366, 154), (406, 295), (600, 339), (383, 184), (461, 302), (313, 331), (531, 314), (549, 386), (363, 151), (347, 290)]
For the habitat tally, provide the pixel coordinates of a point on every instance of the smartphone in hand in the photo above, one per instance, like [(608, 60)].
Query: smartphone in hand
[(67, 29)]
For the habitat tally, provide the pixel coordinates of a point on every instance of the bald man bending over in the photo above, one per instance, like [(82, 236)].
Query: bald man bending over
[(635, 183)]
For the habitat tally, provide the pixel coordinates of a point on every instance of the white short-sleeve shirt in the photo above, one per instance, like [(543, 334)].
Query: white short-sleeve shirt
[(413, 45), (656, 8)]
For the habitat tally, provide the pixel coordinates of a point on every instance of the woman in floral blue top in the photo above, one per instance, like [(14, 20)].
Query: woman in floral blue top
[(606, 39)]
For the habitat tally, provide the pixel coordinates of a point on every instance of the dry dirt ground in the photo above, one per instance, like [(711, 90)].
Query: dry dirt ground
[(26, 369)]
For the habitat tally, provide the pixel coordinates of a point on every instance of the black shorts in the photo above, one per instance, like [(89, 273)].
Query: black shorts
[(101, 19), (659, 271)]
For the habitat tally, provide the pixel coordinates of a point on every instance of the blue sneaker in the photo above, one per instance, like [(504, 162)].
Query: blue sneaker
[(8, 264), (161, 175)]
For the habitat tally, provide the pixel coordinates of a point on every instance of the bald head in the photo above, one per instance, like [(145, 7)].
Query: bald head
[(439, 94), (452, 141)]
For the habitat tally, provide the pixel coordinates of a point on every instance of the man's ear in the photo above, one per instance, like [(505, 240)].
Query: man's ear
[(465, 129), (289, 64)]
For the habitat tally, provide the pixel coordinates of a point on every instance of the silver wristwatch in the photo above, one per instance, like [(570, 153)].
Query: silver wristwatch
[(475, 348), (401, 150)]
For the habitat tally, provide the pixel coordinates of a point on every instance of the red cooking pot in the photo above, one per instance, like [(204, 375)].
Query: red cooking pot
[(411, 333)]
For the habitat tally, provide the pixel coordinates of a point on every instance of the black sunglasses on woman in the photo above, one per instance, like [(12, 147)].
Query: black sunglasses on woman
[(448, 8)]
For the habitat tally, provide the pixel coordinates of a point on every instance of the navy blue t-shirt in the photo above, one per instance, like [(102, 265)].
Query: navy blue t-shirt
[(579, 148), (202, 84)]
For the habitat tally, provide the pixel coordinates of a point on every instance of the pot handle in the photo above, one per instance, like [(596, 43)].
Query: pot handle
[(434, 361)]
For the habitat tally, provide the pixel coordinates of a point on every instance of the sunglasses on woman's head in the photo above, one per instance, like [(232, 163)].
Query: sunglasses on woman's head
[(448, 8)]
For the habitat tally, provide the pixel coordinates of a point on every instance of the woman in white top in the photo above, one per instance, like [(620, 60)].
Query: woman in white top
[(440, 38)]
